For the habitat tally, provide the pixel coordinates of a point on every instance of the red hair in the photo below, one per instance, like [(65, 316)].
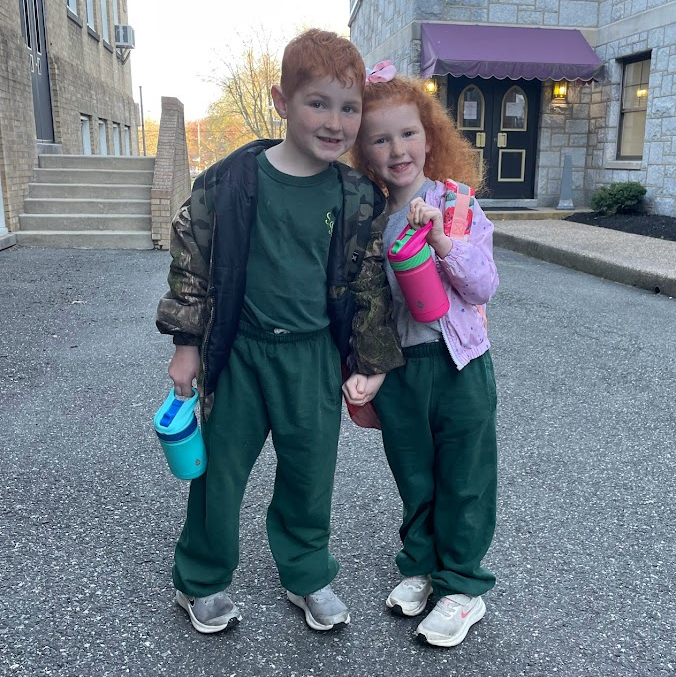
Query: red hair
[(318, 54), (450, 155)]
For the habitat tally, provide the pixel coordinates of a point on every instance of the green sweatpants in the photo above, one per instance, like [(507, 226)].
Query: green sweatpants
[(288, 384), (439, 435)]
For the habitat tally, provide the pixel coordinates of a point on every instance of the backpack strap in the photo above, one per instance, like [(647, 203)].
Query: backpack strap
[(458, 210), (458, 215)]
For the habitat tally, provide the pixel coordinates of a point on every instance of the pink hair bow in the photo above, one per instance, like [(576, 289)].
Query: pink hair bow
[(381, 72)]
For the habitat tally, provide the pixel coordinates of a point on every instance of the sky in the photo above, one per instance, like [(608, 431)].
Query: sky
[(179, 44)]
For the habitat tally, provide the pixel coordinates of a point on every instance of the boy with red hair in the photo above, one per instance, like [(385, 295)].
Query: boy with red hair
[(276, 277)]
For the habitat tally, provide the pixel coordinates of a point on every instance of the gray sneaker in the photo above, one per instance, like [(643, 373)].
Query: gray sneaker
[(323, 610), (210, 614), (409, 598)]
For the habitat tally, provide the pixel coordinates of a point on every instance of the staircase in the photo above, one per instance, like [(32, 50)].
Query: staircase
[(89, 201)]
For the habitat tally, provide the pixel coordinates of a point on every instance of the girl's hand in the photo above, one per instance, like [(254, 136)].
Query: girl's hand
[(419, 215), (360, 389)]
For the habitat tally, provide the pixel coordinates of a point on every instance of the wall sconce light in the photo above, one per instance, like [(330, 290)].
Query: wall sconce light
[(559, 91), (641, 94), (431, 86)]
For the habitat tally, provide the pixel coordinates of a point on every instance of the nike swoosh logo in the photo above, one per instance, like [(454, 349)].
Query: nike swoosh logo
[(464, 614)]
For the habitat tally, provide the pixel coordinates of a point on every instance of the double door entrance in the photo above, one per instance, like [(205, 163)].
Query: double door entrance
[(33, 31), (500, 119)]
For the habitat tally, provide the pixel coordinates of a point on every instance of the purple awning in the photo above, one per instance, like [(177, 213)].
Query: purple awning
[(507, 52)]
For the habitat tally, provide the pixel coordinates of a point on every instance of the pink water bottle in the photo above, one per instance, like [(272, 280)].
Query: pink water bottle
[(416, 272)]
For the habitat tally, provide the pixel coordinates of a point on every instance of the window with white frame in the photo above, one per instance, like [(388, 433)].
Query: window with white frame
[(116, 14), (86, 134), (633, 107), (117, 139), (72, 5), (127, 140), (105, 30), (90, 14), (103, 140)]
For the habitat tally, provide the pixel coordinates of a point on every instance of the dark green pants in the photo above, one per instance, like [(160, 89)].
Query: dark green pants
[(439, 436), (288, 384)]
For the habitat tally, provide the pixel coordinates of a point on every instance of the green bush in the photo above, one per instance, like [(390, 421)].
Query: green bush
[(623, 198)]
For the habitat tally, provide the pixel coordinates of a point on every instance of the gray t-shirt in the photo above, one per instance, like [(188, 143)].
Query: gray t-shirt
[(410, 331)]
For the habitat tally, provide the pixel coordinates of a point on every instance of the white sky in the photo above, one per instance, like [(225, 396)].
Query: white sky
[(178, 43)]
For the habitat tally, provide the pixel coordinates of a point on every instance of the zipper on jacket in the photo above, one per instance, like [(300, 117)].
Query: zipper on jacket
[(210, 324)]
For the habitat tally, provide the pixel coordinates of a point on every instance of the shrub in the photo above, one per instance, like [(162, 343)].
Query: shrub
[(625, 198)]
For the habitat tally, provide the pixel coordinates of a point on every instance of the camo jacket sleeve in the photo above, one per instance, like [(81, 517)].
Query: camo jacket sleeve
[(182, 311), (376, 348)]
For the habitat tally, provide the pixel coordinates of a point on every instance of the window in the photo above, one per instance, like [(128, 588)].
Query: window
[(116, 14), (117, 139), (90, 14), (103, 141), (104, 21), (127, 140), (72, 5), (86, 133), (634, 104)]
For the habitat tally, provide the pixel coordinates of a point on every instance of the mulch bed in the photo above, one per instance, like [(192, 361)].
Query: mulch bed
[(650, 225)]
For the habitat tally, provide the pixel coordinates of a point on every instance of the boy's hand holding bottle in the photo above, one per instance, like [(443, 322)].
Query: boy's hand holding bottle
[(420, 215), (183, 369)]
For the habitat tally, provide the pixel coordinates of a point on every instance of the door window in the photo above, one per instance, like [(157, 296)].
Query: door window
[(514, 111), (471, 109)]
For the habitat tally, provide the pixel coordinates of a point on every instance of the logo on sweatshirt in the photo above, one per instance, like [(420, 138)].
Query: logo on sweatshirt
[(330, 222)]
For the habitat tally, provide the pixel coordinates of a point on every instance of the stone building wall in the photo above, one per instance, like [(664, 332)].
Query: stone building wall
[(586, 127)]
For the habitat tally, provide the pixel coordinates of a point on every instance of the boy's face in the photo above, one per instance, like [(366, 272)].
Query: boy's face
[(323, 119)]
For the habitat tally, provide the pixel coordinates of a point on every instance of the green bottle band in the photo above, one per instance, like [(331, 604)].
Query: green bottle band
[(413, 262)]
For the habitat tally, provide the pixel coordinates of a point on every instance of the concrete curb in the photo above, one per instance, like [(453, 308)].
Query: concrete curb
[(643, 262)]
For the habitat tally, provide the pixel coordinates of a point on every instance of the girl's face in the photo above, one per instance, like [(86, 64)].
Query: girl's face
[(395, 146)]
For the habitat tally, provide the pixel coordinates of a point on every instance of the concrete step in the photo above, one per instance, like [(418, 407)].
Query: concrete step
[(84, 222), (78, 206), (99, 176), (85, 239), (96, 162), (93, 191)]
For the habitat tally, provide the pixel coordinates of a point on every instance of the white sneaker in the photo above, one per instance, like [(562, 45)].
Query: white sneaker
[(409, 598), (447, 624), (323, 609)]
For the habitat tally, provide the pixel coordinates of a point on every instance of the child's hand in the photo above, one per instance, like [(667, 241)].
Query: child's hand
[(360, 389), (420, 215), (183, 368)]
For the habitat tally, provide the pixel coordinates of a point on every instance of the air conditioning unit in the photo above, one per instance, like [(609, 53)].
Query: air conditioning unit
[(124, 37)]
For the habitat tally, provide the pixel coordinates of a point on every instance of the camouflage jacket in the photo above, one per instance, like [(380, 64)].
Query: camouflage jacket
[(207, 276)]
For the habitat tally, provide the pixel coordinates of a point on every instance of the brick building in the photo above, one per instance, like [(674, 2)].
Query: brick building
[(530, 82), (65, 87)]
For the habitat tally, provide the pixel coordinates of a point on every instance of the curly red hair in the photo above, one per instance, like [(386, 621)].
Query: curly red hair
[(318, 54), (450, 155)]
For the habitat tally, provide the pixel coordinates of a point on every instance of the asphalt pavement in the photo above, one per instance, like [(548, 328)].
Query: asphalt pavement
[(584, 550)]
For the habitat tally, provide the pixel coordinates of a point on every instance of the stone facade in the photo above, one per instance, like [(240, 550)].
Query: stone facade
[(88, 77), (586, 127)]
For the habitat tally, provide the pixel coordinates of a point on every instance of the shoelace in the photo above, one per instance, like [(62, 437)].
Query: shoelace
[(415, 582), (448, 606)]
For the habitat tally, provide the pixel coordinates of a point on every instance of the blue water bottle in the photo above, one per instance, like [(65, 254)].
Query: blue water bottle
[(177, 430)]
